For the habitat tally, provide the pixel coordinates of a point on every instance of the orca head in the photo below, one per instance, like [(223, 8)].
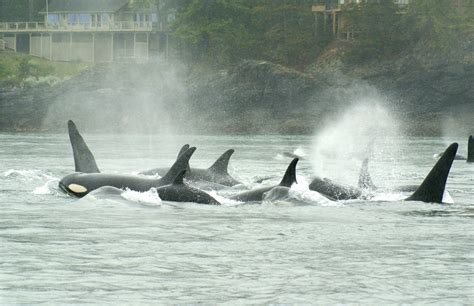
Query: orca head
[(73, 187)]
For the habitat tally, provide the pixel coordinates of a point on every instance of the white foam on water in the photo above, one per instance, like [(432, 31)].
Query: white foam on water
[(50, 187), (149, 197), (28, 174)]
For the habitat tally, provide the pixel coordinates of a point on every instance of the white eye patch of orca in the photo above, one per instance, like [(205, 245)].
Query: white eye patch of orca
[(77, 188)]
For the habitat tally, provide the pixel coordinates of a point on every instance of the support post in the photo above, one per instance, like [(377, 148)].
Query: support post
[(51, 46), (147, 45), (134, 45), (41, 45), (70, 46), (93, 47), (112, 49), (14, 45), (29, 43), (167, 46)]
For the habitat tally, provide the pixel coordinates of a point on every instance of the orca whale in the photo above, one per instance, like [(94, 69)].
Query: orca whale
[(257, 194), (365, 180), (80, 184), (470, 149), (177, 191), (470, 152), (217, 173), (431, 190)]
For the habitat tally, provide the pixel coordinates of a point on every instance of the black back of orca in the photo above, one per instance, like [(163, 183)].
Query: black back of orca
[(470, 149), (84, 160), (80, 184), (432, 188), (257, 194), (178, 191), (334, 191), (217, 173), (164, 170)]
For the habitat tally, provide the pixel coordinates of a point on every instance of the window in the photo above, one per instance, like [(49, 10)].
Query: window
[(53, 18), (154, 17), (84, 18), (104, 19), (72, 18)]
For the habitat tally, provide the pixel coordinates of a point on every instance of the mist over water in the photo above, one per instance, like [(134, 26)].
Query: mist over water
[(124, 97), (353, 134)]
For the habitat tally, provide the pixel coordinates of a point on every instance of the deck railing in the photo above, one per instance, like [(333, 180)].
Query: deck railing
[(113, 26)]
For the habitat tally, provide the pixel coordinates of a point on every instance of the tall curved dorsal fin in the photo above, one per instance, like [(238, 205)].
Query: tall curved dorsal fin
[(290, 175), (84, 160), (179, 179), (365, 181), (221, 164), (179, 165), (182, 150), (470, 149), (432, 188)]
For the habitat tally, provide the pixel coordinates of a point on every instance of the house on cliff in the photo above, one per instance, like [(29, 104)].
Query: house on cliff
[(329, 15), (89, 31)]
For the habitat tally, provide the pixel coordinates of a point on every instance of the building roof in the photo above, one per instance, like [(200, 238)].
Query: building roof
[(85, 6)]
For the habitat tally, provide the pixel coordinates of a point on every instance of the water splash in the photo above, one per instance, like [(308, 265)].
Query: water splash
[(351, 136)]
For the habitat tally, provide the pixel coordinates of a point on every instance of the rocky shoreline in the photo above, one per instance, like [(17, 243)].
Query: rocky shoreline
[(252, 97)]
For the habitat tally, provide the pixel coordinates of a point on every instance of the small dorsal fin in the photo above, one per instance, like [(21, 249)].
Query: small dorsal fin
[(84, 160), (432, 188), (221, 164), (290, 175), (179, 179), (179, 165), (470, 149), (365, 181)]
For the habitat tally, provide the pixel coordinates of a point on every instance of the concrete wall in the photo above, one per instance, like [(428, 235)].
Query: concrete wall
[(85, 47), (10, 42), (82, 48), (103, 48), (40, 45), (61, 47)]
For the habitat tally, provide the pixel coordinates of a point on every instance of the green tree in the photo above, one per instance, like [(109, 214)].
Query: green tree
[(438, 21), (216, 30), (378, 30)]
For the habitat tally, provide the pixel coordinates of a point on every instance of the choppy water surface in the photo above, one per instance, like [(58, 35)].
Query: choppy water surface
[(56, 249)]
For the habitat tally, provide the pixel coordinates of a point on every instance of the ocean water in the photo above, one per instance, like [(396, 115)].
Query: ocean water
[(134, 248)]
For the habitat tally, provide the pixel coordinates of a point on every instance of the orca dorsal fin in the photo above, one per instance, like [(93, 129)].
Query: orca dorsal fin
[(432, 188), (290, 175), (179, 165), (179, 179), (182, 150), (222, 163), (470, 149), (84, 160), (365, 181)]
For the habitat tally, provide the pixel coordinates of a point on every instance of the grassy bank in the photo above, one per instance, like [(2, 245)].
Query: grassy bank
[(15, 68)]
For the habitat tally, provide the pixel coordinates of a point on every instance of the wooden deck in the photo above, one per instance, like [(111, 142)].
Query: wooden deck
[(116, 26)]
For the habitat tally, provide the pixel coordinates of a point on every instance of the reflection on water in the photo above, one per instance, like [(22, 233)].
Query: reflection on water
[(300, 248)]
